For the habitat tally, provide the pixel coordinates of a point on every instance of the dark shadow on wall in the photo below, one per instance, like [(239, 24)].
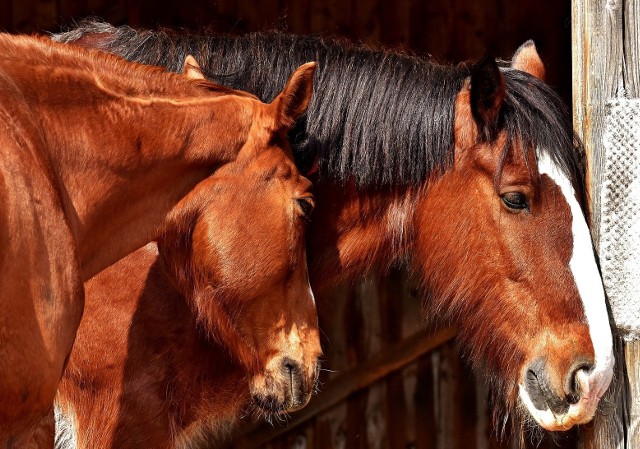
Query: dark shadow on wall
[(450, 31)]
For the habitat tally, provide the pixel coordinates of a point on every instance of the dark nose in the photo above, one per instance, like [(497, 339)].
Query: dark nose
[(290, 367), (541, 388)]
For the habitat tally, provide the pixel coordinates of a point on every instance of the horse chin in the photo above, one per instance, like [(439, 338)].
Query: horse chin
[(279, 395), (579, 413), (275, 406)]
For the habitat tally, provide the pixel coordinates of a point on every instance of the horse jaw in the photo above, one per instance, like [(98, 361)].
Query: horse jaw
[(594, 383)]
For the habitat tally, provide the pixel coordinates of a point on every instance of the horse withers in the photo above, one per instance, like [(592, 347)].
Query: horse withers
[(178, 342), (471, 173), (95, 154)]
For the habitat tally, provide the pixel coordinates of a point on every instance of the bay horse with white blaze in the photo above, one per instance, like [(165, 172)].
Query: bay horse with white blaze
[(96, 152), (178, 341), (471, 173)]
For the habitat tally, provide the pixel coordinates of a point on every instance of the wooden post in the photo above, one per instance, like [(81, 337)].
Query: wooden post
[(606, 59)]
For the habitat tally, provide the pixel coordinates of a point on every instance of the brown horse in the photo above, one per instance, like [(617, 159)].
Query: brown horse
[(471, 173), (174, 347), (95, 153)]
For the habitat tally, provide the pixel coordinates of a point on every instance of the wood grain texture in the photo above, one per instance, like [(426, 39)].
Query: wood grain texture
[(597, 76), (606, 64), (632, 357), (632, 48)]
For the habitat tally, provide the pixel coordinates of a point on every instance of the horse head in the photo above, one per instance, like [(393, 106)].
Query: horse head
[(504, 240), (243, 270)]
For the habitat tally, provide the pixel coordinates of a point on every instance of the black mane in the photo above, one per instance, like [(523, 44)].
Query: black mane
[(378, 117)]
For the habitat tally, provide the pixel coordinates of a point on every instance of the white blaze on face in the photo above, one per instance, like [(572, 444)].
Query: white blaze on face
[(594, 383)]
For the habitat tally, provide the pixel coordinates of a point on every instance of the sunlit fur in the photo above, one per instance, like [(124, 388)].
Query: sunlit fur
[(95, 153), (411, 168), (179, 343)]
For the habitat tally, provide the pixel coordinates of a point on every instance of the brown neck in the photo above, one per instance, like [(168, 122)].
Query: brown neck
[(179, 381), (355, 231), (204, 386), (120, 171)]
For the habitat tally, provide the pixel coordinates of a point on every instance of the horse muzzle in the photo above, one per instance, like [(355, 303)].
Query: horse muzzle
[(287, 389), (570, 400)]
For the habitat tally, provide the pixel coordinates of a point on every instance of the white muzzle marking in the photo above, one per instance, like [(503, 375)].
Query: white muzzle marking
[(595, 382)]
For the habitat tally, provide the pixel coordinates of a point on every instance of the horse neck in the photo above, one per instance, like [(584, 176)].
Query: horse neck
[(355, 231), (208, 389), (119, 173), (165, 360)]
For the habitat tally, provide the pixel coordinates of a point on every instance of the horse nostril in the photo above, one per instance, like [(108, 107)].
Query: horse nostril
[(571, 385), (535, 382), (289, 367)]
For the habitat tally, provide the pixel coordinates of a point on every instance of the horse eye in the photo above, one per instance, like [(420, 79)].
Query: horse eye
[(307, 205), (515, 200)]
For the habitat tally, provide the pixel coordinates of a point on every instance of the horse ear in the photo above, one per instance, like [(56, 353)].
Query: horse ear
[(191, 68), (292, 102), (526, 59), (487, 97)]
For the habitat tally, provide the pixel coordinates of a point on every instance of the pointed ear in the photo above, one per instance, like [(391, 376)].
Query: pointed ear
[(191, 68), (526, 59), (487, 97), (292, 102)]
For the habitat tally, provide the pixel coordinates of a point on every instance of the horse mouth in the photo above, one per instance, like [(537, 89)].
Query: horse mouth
[(289, 394), (577, 409), (273, 405)]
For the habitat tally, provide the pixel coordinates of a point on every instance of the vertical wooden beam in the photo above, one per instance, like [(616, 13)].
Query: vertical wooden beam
[(605, 60), (597, 75), (632, 48), (632, 358)]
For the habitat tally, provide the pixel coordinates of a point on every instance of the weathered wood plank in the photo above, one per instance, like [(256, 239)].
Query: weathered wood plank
[(425, 399), (391, 313), (448, 403), (605, 60), (632, 48), (597, 75), (330, 429), (632, 357), (467, 409), (363, 405)]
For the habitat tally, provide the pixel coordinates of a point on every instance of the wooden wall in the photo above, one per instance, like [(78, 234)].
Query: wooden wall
[(391, 382), (606, 62)]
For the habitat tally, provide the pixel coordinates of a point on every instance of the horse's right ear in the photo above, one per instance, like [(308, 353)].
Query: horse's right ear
[(487, 97), (528, 60), (292, 102), (191, 68)]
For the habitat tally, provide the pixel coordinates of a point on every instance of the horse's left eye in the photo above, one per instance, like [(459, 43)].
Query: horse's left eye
[(307, 205), (515, 200)]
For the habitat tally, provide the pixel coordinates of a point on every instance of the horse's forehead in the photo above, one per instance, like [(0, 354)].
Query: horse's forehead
[(546, 166), (502, 160), (557, 193)]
